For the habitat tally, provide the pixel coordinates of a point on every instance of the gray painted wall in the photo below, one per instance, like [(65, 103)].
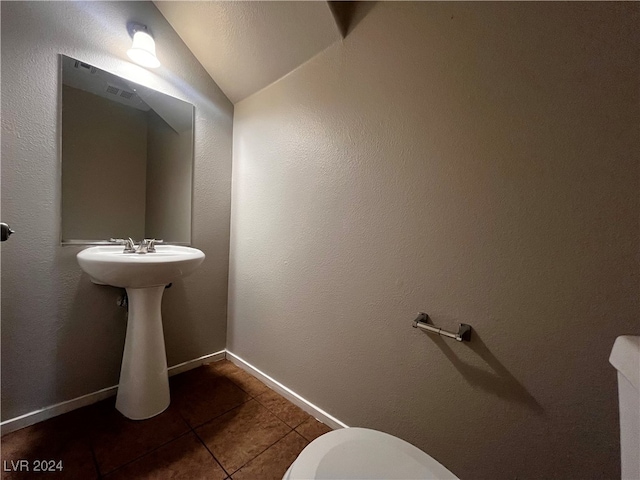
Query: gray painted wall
[(478, 161), (62, 336)]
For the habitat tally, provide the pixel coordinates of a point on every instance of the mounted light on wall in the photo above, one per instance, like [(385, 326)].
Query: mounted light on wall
[(143, 49)]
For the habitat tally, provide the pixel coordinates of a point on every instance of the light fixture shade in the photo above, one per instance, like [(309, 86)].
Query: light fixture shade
[(143, 50)]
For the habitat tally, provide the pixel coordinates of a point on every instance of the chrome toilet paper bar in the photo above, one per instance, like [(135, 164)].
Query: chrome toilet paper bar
[(424, 322)]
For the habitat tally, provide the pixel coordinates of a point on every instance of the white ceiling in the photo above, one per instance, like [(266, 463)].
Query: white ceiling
[(246, 46)]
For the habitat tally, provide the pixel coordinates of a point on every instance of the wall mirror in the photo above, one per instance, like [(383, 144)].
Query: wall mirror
[(127, 159)]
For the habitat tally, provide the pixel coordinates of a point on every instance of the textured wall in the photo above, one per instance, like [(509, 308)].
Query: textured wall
[(62, 336), (104, 146), (478, 162)]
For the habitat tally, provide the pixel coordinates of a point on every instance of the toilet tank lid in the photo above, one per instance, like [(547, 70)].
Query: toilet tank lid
[(625, 356)]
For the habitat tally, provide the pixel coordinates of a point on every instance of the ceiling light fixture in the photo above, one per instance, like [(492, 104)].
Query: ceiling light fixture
[(143, 49)]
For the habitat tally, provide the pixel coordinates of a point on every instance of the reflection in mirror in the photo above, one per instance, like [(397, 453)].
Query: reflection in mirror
[(127, 159)]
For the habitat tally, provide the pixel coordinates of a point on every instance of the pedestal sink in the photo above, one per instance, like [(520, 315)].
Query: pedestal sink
[(143, 391)]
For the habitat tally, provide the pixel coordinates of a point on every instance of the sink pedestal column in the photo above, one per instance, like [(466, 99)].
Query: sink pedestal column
[(143, 391)]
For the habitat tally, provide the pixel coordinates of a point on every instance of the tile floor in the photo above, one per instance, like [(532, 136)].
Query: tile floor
[(222, 424)]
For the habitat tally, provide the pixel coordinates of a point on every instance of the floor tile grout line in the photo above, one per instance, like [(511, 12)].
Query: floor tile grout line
[(281, 419), (261, 452), (193, 429), (295, 430), (248, 396), (95, 459), (251, 397), (255, 397), (145, 454), (240, 387), (237, 384), (302, 436), (228, 475), (199, 425)]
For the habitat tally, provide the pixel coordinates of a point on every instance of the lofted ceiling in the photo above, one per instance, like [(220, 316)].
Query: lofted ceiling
[(245, 46)]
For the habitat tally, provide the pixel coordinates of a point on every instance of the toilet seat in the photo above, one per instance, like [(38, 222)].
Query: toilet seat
[(360, 453)]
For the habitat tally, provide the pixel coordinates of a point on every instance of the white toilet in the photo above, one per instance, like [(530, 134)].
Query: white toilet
[(625, 356), (360, 453)]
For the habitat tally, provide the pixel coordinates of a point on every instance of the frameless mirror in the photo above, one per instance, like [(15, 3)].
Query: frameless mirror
[(127, 159)]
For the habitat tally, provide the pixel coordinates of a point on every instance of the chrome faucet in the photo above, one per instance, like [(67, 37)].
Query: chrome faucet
[(151, 245), (129, 244), (144, 246), (148, 245)]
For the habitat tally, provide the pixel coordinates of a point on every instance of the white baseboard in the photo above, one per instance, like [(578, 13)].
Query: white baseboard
[(36, 416), (51, 411), (196, 362), (286, 392)]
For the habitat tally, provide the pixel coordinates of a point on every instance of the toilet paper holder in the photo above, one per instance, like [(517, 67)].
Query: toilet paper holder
[(424, 322)]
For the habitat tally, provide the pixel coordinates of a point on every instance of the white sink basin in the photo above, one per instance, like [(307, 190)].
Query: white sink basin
[(109, 266), (143, 391)]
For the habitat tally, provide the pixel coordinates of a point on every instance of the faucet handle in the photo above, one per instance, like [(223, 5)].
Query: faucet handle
[(142, 246), (151, 244), (129, 245)]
